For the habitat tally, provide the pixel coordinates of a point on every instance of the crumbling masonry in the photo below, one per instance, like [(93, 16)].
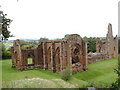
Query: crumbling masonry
[(53, 55), (106, 48), (109, 46)]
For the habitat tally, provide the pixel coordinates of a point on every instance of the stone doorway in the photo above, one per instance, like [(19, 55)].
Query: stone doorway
[(30, 61)]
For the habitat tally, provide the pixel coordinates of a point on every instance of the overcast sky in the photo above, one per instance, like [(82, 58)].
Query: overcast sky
[(55, 18)]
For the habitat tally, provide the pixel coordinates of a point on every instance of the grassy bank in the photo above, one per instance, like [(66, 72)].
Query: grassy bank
[(99, 72)]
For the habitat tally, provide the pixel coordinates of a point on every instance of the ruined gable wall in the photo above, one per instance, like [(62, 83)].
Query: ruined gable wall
[(77, 51), (16, 55)]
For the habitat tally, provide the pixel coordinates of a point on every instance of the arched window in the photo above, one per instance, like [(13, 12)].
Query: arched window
[(30, 59)]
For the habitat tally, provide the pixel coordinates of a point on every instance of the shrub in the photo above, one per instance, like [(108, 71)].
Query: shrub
[(6, 53), (66, 74)]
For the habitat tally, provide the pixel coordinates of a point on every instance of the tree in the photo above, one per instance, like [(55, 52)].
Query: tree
[(91, 42), (28, 44), (6, 53), (43, 39), (4, 25)]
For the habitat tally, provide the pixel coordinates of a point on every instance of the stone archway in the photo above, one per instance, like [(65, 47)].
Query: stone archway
[(75, 53), (57, 59), (30, 61), (30, 55), (76, 58)]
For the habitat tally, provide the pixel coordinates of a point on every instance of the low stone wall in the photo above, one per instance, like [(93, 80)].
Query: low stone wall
[(94, 57)]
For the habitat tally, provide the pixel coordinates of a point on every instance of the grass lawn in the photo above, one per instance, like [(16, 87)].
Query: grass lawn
[(99, 72)]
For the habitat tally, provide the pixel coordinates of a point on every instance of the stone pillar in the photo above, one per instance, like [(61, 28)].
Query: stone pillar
[(81, 52), (63, 57), (86, 57), (19, 58), (35, 58), (70, 60), (51, 57), (61, 46), (43, 54)]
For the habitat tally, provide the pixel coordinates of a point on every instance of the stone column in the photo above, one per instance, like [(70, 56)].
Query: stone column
[(63, 57), (20, 66), (51, 57), (43, 54), (86, 56), (70, 59), (35, 58), (61, 53)]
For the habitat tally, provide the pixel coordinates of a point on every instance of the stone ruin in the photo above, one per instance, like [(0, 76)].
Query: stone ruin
[(54, 55), (107, 48)]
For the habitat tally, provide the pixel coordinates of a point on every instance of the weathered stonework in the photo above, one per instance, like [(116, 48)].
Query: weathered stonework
[(97, 56), (54, 55), (105, 49)]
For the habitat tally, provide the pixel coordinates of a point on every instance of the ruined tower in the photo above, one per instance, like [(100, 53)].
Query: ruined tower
[(108, 46)]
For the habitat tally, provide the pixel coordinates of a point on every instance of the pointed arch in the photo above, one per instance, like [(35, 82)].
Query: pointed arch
[(75, 53), (57, 59)]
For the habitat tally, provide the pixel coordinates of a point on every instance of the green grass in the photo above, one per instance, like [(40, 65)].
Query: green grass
[(102, 72), (99, 72)]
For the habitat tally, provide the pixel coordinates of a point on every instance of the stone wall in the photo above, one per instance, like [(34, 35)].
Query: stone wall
[(95, 57)]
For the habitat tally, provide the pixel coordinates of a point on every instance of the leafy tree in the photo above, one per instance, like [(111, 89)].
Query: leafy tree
[(4, 25), (28, 44), (6, 53), (91, 43), (43, 39)]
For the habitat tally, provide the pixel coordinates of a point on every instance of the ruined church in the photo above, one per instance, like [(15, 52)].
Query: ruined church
[(54, 55)]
